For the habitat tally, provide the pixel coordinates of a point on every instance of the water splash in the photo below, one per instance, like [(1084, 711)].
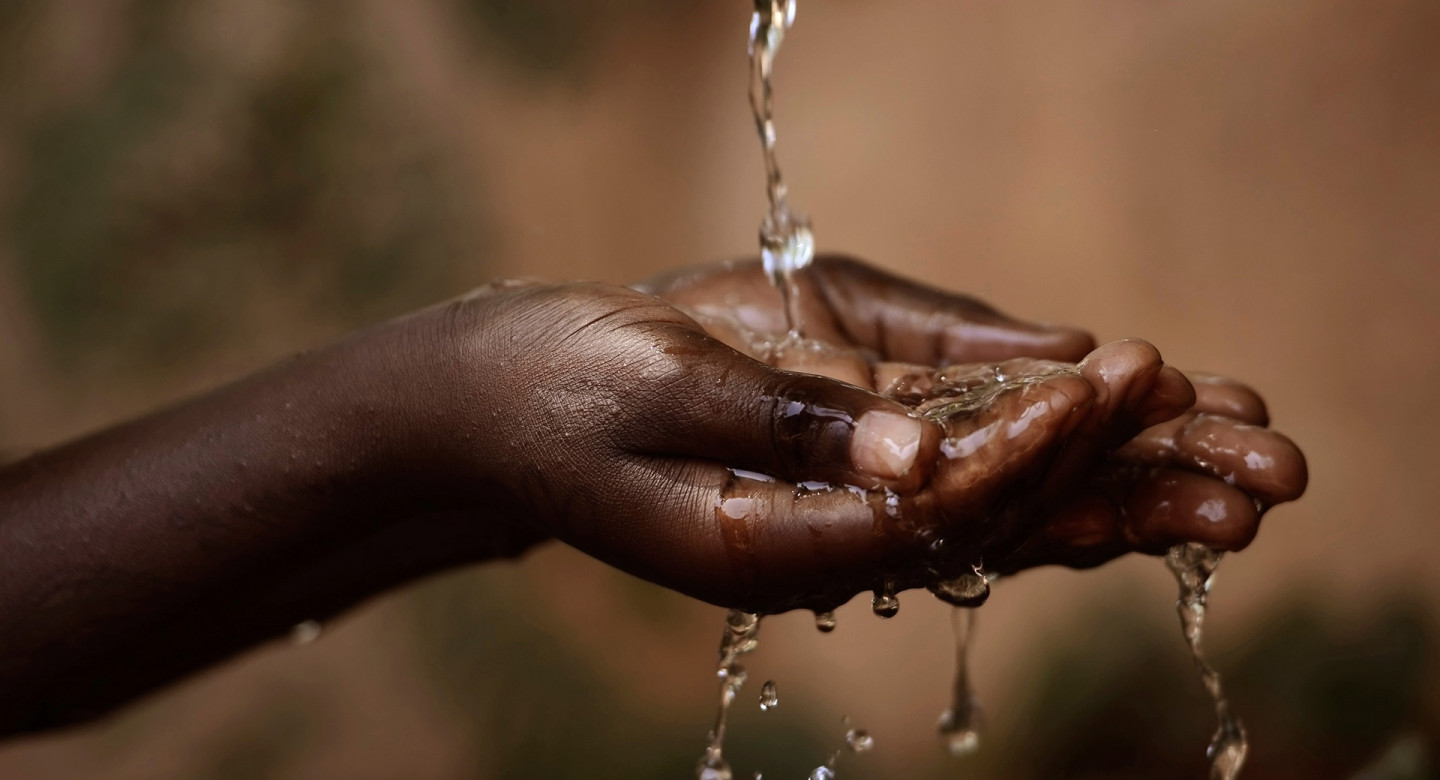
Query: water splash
[(1194, 568)]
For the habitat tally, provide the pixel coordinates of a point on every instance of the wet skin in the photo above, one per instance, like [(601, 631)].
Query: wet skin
[(614, 420), (1082, 455)]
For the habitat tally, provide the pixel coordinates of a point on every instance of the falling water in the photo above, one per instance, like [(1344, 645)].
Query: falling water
[(739, 638), (786, 243), (1194, 567), (959, 726)]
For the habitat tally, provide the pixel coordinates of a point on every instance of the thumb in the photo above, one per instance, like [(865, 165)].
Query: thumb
[(730, 408)]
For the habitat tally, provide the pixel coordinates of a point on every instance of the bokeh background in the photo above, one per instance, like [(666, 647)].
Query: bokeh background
[(191, 189)]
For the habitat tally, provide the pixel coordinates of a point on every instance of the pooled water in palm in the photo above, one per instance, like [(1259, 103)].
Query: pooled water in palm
[(786, 243), (739, 638), (1194, 567), (960, 725)]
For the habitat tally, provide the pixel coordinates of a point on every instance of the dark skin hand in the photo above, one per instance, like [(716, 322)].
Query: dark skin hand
[(1083, 455), (615, 421)]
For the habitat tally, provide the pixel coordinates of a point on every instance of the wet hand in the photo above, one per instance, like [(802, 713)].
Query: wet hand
[(1035, 471), (611, 420)]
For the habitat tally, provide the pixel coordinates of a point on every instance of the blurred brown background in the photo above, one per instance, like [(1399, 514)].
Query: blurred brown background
[(190, 189)]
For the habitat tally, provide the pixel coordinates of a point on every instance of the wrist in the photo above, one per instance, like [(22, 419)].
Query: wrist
[(431, 395)]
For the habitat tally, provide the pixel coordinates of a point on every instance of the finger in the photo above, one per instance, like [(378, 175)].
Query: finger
[(905, 321), (1228, 398), (743, 540), (1170, 395), (714, 403), (1259, 461), (1148, 513), (1171, 506), (1133, 385), (1122, 377), (996, 456), (1085, 533)]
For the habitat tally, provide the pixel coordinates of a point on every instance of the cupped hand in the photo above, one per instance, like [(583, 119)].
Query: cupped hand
[(681, 436), (1044, 461)]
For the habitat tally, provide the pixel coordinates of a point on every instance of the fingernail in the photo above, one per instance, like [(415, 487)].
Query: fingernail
[(885, 444)]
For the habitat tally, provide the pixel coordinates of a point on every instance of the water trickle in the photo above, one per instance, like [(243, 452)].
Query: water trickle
[(959, 726), (739, 638), (859, 740), (769, 699), (1194, 568), (825, 622), (786, 243)]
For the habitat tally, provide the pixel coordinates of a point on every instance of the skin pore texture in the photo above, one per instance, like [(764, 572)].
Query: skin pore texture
[(671, 430)]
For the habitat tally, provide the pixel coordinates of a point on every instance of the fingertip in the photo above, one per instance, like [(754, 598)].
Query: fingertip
[(1114, 369), (1173, 506), (1292, 475), (1171, 394), (1226, 397), (1262, 462)]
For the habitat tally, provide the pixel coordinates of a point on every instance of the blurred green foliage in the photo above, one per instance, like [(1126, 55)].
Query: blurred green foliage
[(270, 741), (164, 212), (553, 37), (1118, 698), (539, 704), (153, 216), (1114, 695)]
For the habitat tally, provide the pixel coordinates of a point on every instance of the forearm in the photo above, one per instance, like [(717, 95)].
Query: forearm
[(214, 525)]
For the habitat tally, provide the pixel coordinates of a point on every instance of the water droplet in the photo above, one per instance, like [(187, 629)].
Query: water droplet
[(769, 699), (859, 740), (822, 772), (885, 603), (825, 622), (718, 771), (970, 589), (959, 741), (305, 632)]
